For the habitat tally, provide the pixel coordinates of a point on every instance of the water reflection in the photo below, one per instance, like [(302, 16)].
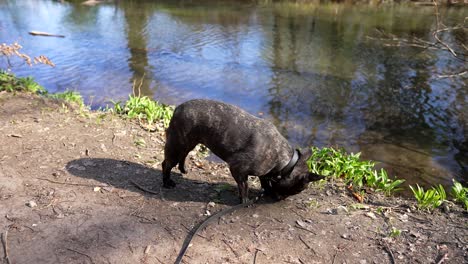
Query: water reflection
[(310, 69)]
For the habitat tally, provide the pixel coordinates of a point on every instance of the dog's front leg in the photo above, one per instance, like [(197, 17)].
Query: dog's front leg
[(242, 185), (243, 191)]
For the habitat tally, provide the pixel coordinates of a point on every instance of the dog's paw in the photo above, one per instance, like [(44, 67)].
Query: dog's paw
[(169, 184), (182, 169)]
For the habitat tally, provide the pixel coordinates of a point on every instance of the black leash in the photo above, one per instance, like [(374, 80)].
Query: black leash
[(203, 224)]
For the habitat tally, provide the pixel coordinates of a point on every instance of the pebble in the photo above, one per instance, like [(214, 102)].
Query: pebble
[(345, 236), (31, 204)]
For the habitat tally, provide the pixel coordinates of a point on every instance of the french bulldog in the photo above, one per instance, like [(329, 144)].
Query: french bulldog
[(249, 145)]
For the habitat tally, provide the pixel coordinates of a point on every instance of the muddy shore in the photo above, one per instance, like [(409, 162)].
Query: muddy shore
[(66, 196)]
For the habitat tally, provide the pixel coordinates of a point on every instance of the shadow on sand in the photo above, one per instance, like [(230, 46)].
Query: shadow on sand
[(121, 174)]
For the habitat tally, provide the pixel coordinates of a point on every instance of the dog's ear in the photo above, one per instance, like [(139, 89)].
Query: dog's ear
[(315, 177)]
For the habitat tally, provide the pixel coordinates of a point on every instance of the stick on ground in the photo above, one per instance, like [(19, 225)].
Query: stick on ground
[(5, 247)]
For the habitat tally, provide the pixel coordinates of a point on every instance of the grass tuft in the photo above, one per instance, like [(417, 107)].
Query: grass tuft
[(10, 83), (339, 164), (460, 193), (143, 108), (429, 199), (70, 97)]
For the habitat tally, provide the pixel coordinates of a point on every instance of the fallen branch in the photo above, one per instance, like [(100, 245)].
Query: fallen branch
[(45, 34), (452, 75), (71, 183), (5, 247)]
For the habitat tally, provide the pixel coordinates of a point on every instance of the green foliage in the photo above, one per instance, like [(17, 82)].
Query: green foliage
[(10, 83), (430, 199), (395, 232), (338, 164), (381, 181), (70, 97), (460, 193), (144, 108)]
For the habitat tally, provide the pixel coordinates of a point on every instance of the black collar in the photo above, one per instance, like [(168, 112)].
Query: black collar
[(288, 169)]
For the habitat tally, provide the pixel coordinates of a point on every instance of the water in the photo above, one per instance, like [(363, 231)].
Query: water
[(311, 69)]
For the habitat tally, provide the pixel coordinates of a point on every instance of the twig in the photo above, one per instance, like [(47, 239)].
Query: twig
[(143, 188), (452, 75), (158, 260), (229, 246), (387, 248), (307, 245), (5, 247), (334, 257), (303, 228), (443, 258), (255, 256), (83, 254), (71, 183)]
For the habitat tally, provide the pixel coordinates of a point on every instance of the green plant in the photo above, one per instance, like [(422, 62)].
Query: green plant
[(70, 97), (395, 232), (140, 142), (10, 83), (144, 108), (338, 164), (460, 193), (380, 181), (430, 199)]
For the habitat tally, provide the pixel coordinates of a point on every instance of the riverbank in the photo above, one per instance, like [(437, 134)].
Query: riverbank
[(67, 197)]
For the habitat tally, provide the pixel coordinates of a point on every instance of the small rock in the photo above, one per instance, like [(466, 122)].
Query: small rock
[(345, 236), (97, 189), (108, 189), (404, 218), (211, 204), (363, 261), (255, 215), (301, 223), (31, 204), (341, 210), (103, 148), (371, 215), (445, 207)]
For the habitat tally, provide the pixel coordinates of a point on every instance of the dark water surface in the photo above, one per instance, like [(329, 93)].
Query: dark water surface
[(310, 69)]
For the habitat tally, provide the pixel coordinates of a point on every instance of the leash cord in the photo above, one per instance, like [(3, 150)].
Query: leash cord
[(203, 224)]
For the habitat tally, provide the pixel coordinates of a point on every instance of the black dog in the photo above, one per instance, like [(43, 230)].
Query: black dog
[(249, 145)]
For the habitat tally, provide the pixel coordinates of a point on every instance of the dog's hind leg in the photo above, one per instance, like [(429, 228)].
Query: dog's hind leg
[(181, 159), (167, 166)]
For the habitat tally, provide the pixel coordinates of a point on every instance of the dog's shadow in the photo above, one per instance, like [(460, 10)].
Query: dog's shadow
[(123, 174)]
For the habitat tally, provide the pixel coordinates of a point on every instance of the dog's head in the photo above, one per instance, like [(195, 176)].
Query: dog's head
[(296, 181)]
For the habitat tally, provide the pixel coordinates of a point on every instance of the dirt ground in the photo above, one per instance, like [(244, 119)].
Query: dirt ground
[(66, 196)]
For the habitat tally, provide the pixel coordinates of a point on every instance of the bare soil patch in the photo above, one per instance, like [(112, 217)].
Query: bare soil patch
[(66, 196)]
